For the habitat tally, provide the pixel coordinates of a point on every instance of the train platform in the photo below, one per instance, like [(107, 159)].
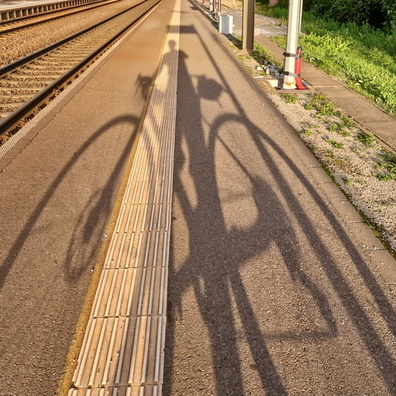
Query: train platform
[(164, 208)]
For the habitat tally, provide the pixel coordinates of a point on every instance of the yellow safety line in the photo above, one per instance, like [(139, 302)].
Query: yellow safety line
[(123, 346)]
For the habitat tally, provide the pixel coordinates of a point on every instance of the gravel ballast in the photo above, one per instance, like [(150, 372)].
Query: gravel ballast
[(360, 165), (16, 46)]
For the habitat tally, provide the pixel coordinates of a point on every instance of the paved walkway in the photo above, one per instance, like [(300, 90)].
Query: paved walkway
[(276, 285)]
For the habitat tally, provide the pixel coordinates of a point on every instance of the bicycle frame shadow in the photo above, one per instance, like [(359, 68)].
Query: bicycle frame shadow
[(217, 254)]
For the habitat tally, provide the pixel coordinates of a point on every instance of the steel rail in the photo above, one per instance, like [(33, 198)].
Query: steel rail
[(72, 11), (27, 109), (31, 57)]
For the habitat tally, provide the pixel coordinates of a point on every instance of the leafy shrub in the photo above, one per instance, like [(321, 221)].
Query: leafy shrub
[(377, 13)]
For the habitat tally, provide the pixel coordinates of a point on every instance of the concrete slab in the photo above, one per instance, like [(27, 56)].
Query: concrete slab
[(385, 130), (319, 79), (334, 91), (386, 266)]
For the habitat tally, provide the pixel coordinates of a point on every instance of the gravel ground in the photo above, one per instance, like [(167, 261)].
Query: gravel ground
[(358, 169), (15, 46), (353, 158)]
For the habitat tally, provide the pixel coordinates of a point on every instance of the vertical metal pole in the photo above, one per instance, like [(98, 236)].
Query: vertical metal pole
[(248, 25), (300, 16), (289, 81)]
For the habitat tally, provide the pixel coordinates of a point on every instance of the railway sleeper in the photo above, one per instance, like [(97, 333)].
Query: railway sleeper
[(27, 86), (42, 68), (28, 83), (60, 64), (10, 108), (22, 91), (63, 55), (91, 44), (14, 100), (43, 72), (83, 42), (71, 55), (88, 41), (75, 55)]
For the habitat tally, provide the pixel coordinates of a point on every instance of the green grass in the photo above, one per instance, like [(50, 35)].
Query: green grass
[(339, 128), (363, 57), (367, 139), (262, 54), (347, 182), (335, 144), (308, 129), (389, 163), (322, 106), (289, 98), (346, 122), (274, 12)]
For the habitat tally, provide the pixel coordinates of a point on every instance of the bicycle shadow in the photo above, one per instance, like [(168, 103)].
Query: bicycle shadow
[(217, 253)]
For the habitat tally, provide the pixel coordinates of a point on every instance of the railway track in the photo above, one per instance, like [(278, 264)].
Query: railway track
[(20, 13), (16, 24), (29, 83)]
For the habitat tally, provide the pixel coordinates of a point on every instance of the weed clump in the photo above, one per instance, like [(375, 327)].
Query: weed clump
[(387, 165), (361, 166), (335, 144), (289, 98), (322, 106), (367, 139)]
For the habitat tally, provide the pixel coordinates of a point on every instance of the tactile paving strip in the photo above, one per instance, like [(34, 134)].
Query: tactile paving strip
[(123, 348)]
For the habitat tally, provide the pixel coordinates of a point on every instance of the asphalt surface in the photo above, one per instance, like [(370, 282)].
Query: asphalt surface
[(274, 289), (276, 285), (57, 199)]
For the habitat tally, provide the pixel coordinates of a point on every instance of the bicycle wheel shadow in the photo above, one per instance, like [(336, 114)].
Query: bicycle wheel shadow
[(218, 250), (92, 219)]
